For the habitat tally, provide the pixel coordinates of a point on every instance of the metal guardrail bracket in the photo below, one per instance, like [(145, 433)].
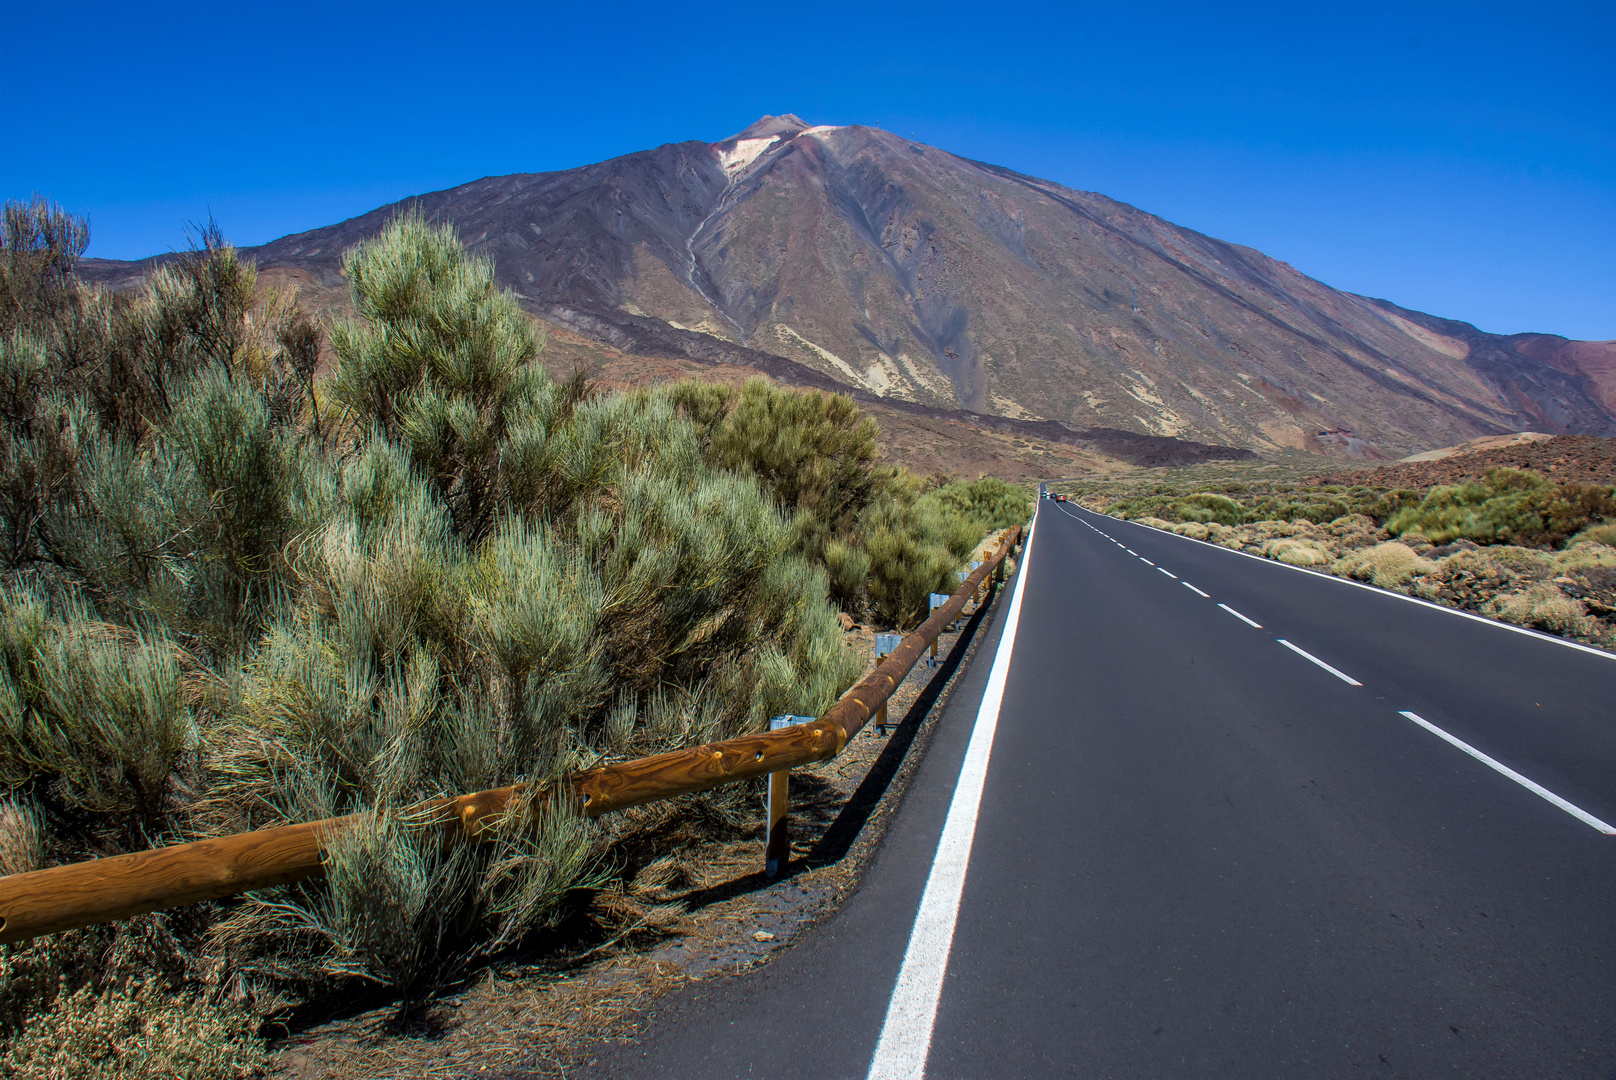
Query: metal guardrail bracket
[(885, 646), (941, 600), (777, 838)]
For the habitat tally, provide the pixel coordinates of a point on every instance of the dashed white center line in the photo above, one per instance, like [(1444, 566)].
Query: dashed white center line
[(1536, 789), (1239, 616), (1530, 785), (1309, 656)]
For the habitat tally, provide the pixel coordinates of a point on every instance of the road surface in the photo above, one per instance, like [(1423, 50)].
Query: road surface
[(1193, 813)]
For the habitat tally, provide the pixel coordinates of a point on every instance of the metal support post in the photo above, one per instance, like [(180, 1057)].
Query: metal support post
[(777, 840), (885, 646), (938, 600)]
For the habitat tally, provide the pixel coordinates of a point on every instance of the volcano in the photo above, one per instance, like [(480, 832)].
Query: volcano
[(850, 258)]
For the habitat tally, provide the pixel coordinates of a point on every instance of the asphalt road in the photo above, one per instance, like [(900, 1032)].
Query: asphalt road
[(1205, 847)]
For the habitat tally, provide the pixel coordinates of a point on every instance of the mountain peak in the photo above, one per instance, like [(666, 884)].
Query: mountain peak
[(788, 124), (875, 264)]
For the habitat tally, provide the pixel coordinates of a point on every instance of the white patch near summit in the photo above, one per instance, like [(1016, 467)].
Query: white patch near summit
[(744, 153)]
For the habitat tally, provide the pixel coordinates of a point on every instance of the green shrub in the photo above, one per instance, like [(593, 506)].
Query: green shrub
[(884, 542), (1505, 506), (990, 503), (1202, 507), (232, 607), (813, 452), (913, 552)]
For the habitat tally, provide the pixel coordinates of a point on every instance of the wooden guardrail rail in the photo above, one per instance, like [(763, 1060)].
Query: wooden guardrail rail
[(61, 898)]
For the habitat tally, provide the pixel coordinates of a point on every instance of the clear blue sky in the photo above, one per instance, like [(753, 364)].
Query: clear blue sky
[(1456, 158)]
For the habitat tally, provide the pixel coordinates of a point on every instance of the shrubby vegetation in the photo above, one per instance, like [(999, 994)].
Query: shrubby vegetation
[(1512, 544), (1514, 506), (233, 595), (1506, 505), (1239, 504), (886, 539)]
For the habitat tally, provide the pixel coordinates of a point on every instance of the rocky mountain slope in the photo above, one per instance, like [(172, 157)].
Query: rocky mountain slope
[(846, 256)]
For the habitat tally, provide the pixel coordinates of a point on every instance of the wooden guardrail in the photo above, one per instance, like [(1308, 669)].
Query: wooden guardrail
[(61, 898)]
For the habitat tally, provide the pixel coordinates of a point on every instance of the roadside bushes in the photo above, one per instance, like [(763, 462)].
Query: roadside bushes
[(514, 580), (232, 597), (1236, 504), (1506, 506), (990, 502), (885, 539), (1570, 592)]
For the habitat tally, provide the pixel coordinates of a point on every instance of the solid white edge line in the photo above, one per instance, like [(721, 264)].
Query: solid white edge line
[(1239, 616), (1169, 573), (1309, 656), (1511, 627), (1536, 789), (1196, 591), (900, 1053)]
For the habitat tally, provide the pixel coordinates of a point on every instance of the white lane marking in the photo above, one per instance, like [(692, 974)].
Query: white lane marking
[(1309, 656), (906, 1034), (1537, 789), (1169, 573), (1131, 551), (1146, 561), (1511, 627), (1239, 616)]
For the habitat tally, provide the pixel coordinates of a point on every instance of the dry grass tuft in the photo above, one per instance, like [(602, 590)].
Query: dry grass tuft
[(1604, 533), (1388, 565), (22, 837), (1297, 552), (136, 1031), (1543, 607)]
